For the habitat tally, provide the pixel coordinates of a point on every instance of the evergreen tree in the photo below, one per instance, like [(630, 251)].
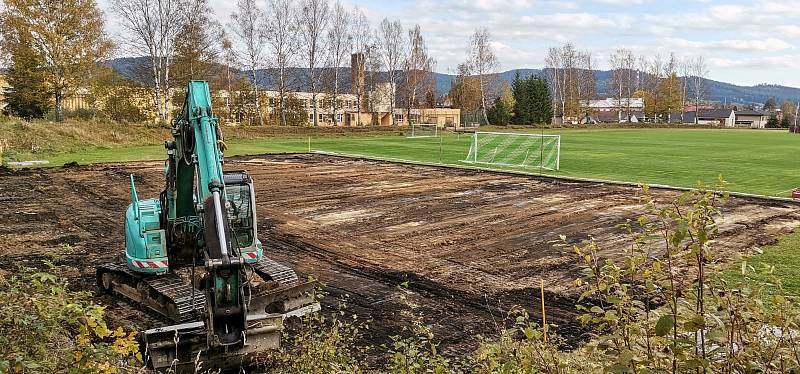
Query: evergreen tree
[(541, 102), (522, 107), (772, 122), (786, 121), (499, 113), (770, 105), (29, 96), (533, 104)]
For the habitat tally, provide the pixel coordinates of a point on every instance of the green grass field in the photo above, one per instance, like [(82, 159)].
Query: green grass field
[(753, 161), (759, 162)]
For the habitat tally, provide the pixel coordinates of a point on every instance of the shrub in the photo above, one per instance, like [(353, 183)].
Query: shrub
[(45, 328), (320, 345)]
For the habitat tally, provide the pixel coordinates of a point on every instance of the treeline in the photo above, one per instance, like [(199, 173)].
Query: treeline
[(667, 84), (56, 50)]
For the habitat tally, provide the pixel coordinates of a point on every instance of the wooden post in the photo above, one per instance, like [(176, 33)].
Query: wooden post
[(544, 315)]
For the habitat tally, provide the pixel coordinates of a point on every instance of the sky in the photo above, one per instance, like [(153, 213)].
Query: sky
[(743, 42)]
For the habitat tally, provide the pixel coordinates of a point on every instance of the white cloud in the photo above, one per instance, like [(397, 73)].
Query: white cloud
[(766, 45)]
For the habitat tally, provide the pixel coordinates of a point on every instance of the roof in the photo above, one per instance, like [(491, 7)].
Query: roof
[(751, 113), (710, 113)]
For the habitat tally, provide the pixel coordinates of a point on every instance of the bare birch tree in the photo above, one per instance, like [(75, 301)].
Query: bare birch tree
[(312, 21), (362, 39), (247, 22), (698, 71), (483, 63), (339, 39), (623, 66), (280, 36), (392, 45), (229, 58), (150, 29), (418, 70), (554, 69), (585, 82)]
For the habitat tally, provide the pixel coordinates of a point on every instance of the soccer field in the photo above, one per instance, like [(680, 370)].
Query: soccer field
[(752, 161)]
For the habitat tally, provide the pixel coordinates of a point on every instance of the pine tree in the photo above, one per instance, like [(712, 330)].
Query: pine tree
[(29, 96)]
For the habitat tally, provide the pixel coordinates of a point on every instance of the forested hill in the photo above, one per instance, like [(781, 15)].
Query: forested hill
[(136, 69)]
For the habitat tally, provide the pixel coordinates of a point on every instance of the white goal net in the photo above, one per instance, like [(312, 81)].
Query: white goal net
[(424, 130), (517, 150)]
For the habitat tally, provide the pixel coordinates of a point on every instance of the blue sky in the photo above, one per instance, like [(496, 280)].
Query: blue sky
[(744, 42)]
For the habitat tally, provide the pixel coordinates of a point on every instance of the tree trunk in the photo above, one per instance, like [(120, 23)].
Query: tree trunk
[(58, 108)]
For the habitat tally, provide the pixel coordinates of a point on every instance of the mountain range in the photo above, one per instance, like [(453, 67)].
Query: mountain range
[(136, 69)]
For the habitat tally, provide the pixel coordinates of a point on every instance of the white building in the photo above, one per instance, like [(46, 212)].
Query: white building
[(636, 104)]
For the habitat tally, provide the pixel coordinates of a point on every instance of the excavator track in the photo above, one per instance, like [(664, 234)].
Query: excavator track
[(171, 296), (282, 291), (166, 294)]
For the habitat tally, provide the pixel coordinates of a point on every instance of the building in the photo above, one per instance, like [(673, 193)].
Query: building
[(613, 117), (751, 118), (716, 117), (611, 104)]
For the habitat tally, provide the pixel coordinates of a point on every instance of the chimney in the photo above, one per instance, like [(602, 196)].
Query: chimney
[(357, 73)]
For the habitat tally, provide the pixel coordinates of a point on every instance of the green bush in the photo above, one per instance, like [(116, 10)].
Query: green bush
[(46, 328)]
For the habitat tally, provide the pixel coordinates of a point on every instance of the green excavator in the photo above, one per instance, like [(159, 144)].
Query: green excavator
[(193, 256)]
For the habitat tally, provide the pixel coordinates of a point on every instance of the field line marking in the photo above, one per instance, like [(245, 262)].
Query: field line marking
[(548, 175)]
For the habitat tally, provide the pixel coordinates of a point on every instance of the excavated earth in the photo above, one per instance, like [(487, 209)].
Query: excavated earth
[(471, 244)]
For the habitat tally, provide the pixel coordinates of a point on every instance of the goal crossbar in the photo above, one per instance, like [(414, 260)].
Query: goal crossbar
[(424, 130)]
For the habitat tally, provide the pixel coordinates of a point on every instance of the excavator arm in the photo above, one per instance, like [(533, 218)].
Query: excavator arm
[(234, 300), (199, 191)]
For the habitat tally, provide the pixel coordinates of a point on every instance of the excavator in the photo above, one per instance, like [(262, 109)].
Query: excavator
[(192, 255)]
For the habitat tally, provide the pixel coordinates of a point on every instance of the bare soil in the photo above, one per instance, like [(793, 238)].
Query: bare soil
[(471, 244)]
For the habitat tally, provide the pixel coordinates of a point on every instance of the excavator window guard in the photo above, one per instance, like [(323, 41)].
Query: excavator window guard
[(240, 213)]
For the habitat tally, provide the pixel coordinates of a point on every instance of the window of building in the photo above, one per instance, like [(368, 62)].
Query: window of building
[(398, 118)]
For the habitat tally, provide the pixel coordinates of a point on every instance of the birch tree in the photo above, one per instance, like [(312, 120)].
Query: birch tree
[(280, 36), (623, 75), (150, 28), (698, 71), (392, 46), (553, 67), (312, 21), (339, 38), (247, 23), (418, 70), (585, 82), (373, 61), (482, 63)]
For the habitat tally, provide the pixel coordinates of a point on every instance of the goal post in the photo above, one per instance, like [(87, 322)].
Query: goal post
[(424, 130), (515, 150)]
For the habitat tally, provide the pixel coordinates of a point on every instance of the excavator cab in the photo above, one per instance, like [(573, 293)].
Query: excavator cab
[(241, 206)]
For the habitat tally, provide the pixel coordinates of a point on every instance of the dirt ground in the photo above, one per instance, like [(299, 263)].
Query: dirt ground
[(471, 244)]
